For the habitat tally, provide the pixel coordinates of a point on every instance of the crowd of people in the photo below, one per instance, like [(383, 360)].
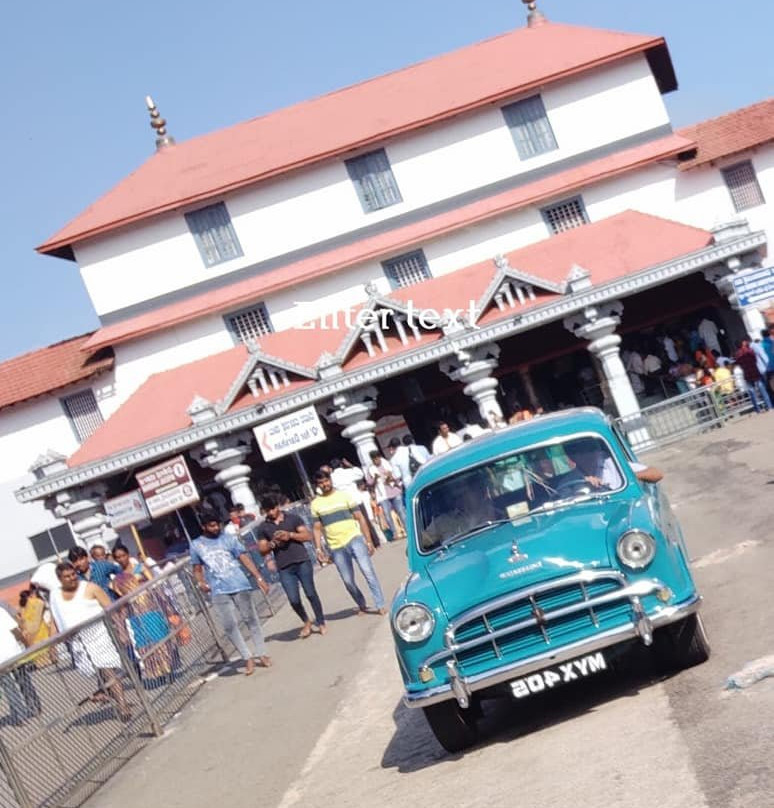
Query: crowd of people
[(701, 354), (354, 511)]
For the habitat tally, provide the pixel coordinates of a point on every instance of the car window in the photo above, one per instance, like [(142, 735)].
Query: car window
[(515, 485)]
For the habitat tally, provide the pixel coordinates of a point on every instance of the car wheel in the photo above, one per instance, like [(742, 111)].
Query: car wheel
[(682, 645), (454, 727)]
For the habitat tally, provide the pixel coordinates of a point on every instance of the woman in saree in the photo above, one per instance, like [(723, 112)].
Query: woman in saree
[(35, 624), (145, 621)]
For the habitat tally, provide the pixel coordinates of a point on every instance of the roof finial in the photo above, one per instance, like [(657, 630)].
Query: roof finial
[(535, 17), (159, 124)]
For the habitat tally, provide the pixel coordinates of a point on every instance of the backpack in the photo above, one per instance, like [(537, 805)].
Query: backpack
[(413, 463)]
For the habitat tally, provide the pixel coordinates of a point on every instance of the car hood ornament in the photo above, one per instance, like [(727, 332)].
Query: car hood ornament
[(516, 554)]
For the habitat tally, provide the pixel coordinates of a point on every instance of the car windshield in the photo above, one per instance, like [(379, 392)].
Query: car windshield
[(514, 486)]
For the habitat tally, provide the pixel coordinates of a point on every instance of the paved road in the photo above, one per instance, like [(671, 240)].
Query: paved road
[(325, 726)]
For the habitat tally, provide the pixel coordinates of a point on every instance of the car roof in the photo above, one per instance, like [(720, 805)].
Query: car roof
[(526, 433)]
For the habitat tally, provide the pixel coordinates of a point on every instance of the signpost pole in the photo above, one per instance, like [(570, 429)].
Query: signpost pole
[(138, 541), (303, 475), (182, 525)]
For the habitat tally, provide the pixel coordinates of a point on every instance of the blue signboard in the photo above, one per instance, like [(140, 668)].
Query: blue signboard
[(755, 286)]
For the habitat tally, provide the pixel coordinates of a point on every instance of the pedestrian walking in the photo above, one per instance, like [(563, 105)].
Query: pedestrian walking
[(746, 359), (76, 602), (286, 535), (407, 458), (389, 494), (344, 475), (338, 517), (217, 560)]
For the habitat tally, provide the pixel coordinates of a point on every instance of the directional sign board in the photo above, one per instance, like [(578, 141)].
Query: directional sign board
[(289, 433), (126, 509), (168, 486), (755, 286)]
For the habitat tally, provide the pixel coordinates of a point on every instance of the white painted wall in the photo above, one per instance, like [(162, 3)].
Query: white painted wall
[(159, 257), (138, 359), (698, 198), (26, 431)]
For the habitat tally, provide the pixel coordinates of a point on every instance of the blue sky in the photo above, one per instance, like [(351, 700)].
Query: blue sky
[(74, 76)]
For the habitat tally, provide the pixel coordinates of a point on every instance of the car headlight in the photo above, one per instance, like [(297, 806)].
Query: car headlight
[(414, 622), (636, 549)]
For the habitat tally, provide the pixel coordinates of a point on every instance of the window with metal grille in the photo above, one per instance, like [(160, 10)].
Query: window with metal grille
[(530, 128), (83, 412), (373, 180), (408, 269), (743, 185), (249, 324), (565, 215), (214, 234), (54, 541)]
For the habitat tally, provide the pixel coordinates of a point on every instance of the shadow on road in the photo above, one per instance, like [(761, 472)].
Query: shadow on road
[(413, 746)]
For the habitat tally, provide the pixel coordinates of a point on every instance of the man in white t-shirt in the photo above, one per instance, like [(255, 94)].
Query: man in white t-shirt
[(445, 440), (18, 688), (345, 476), (406, 458)]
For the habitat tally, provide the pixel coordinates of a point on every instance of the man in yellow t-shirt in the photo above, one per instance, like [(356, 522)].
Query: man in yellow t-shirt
[(338, 517)]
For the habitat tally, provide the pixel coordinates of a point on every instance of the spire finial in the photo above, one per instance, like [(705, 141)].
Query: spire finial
[(159, 124), (535, 16)]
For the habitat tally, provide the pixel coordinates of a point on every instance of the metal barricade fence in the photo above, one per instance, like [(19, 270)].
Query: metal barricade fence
[(77, 706), (707, 407)]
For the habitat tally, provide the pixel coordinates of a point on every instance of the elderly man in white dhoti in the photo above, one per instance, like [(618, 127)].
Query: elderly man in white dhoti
[(93, 650)]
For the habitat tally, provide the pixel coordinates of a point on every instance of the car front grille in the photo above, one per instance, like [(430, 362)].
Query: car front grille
[(531, 620)]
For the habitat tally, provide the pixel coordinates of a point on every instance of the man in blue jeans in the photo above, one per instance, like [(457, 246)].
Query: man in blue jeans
[(286, 535), (217, 555), (337, 515)]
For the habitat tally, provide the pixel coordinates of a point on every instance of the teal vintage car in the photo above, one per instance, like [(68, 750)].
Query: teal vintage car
[(537, 556)]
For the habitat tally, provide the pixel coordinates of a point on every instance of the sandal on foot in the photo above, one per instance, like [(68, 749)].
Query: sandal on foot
[(249, 667), (305, 632), (264, 661)]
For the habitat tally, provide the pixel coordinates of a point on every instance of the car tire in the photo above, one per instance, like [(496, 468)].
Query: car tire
[(682, 645), (455, 728)]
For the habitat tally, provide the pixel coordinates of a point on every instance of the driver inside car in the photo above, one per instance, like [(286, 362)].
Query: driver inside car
[(593, 461), (464, 504)]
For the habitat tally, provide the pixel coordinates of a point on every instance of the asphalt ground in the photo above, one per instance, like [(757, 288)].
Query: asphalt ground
[(326, 727)]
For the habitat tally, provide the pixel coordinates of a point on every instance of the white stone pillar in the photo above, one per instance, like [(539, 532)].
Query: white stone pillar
[(83, 509), (226, 455), (473, 367), (722, 275), (598, 324), (351, 410)]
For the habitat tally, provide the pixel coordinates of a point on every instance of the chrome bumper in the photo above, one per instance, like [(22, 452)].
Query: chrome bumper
[(462, 687)]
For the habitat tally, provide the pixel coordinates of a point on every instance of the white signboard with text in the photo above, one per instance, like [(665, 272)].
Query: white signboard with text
[(168, 486), (289, 433), (126, 509), (755, 286)]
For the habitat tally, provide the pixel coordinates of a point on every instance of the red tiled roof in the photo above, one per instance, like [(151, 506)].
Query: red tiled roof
[(621, 245), (158, 407), (50, 368), (730, 134), (361, 115), (391, 242)]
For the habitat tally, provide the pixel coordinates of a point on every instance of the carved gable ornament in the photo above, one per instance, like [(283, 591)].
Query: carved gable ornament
[(512, 288), (263, 375)]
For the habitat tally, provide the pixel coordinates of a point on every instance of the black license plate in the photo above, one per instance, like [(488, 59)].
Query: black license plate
[(557, 675)]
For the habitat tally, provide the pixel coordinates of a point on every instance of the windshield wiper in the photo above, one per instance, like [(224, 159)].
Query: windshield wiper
[(477, 529)]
